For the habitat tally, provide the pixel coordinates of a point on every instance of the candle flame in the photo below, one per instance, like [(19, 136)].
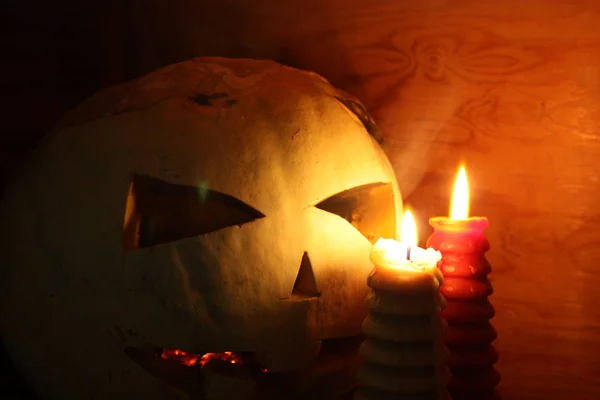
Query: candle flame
[(409, 229), (459, 204)]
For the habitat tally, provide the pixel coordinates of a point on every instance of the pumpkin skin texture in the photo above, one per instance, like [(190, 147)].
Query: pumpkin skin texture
[(257, 140)]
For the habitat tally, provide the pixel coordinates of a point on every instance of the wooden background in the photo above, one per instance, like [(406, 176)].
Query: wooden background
[(511, 87)]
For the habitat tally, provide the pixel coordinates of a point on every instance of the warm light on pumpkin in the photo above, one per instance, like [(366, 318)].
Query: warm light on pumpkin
[(409, 229), (459, 204)]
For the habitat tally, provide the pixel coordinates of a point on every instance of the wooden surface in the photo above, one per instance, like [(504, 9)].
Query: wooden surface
[(510, 87)]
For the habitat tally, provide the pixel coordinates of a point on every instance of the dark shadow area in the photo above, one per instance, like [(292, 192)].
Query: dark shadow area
[(12, 385), (55, 54)]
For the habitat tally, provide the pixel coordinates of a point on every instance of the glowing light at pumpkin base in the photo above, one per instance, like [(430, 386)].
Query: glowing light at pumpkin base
[(462, 244), (192, 360)]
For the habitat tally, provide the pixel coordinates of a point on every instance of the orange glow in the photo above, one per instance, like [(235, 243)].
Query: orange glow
[(409, 229), (459, 204), (190, 359)]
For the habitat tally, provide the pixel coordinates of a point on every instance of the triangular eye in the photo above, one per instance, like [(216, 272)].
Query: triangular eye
[(161, 212), (369, 208)]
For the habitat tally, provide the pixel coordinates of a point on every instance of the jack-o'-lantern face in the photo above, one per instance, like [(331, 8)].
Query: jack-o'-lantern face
[(219, 206)]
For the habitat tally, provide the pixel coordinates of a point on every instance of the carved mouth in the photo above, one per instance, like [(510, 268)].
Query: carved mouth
[(213, 375), (193, 360)]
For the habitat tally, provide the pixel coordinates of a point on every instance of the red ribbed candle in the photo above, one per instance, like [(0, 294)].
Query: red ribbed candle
[(466, 289)]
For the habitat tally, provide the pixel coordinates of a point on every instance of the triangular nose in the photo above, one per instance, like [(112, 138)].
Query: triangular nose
[(305, 284)]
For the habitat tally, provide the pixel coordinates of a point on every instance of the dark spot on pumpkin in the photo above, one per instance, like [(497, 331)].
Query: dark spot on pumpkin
[(120, 333), (212, 100), (363, 115), (133, 333)]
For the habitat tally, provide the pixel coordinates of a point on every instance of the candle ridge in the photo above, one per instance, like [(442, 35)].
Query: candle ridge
[(466, 289), (403, 353)]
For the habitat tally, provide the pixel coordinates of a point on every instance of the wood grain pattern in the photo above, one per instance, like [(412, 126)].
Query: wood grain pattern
[(510, 87)]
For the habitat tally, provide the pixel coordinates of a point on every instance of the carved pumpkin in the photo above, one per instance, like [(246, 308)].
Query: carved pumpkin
[(214, 205)]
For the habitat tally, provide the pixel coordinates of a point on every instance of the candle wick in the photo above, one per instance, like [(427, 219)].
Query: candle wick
[(408, 253)]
